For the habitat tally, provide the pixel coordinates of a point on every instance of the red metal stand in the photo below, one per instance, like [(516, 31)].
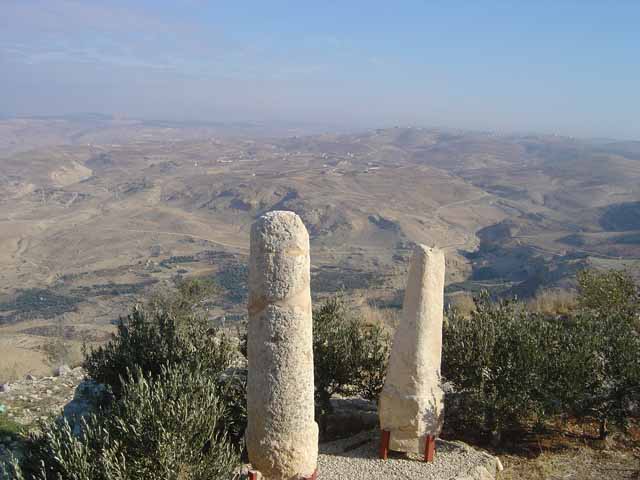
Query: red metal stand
[(430, 449), (253, 475), (385, 437)]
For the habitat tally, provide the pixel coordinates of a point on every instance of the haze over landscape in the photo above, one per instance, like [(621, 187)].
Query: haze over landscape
[(549, 67), (139, 141)]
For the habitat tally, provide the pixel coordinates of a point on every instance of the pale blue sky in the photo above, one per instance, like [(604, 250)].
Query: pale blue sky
[(547, 66)]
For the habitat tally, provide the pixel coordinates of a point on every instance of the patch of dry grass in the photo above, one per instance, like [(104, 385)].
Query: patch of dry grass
[(564, 450), (573, 452), (463, 303), (581, 464), (383, 317), (8, 372), (62, 352), (35, 355), (16, 362), (553, 302)]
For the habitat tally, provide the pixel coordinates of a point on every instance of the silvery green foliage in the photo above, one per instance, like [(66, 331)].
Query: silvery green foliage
[(501, 362), (609, 292), (350, 357), (170, 426), (153, 337), (510, 367), (169, 334), (10, 469)]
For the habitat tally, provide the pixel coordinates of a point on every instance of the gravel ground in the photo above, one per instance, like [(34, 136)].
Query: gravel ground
[(357, 458)]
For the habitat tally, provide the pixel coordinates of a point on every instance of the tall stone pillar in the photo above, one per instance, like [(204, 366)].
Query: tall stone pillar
[(411, 402), (282, 435)]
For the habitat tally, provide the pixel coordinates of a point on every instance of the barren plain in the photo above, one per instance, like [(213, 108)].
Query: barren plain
[(96, 211)]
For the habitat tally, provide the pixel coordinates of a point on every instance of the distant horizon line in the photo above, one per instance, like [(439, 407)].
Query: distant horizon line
[(343, 128)]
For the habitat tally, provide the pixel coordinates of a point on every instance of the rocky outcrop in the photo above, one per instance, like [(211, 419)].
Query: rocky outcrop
[(27, 401)]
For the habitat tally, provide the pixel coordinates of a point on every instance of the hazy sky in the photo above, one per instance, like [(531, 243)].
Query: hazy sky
[(556, 66)]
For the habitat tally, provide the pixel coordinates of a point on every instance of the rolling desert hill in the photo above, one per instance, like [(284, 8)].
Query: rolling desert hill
[(96, 211)]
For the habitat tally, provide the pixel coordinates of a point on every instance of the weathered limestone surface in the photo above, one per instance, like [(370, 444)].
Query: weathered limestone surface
[(282, 436), (411, 403)]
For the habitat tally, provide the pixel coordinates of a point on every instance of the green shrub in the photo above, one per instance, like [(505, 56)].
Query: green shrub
[(602, 370), (371, 359), (233, 390), (165, 332), (498, 361), (350, 357), (605, 352), (170, 426), (609, 293), (510, 367), (169, 331)]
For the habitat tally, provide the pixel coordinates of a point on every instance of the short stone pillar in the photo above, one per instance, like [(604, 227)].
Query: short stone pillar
[(411, 402), (282, 435)]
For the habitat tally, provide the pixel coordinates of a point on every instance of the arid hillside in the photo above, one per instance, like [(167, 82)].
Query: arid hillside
[(95, 212)]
